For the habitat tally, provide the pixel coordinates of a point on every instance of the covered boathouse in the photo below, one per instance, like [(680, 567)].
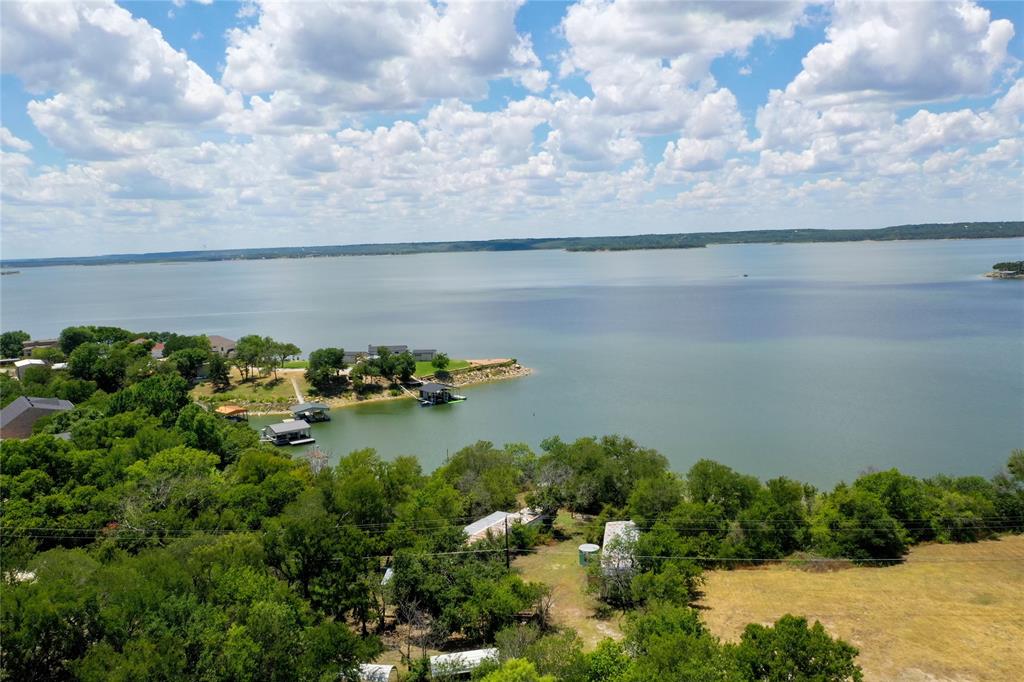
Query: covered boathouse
[(312, 412), (294, 432), (438, 394)]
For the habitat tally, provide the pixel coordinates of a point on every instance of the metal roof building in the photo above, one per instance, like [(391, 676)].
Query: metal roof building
[(377, 672), (18, 418), (494, 523), (462, 662), (21, 365)]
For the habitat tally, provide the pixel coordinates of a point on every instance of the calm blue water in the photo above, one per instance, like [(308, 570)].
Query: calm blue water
[(826, 360)]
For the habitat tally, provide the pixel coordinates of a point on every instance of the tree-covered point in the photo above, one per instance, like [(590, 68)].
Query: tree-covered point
[(1011, 267)]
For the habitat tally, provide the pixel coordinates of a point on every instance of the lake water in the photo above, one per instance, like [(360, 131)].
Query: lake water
[(826, 360)]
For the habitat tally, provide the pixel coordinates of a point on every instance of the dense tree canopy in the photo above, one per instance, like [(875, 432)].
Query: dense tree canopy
[(11, 343)]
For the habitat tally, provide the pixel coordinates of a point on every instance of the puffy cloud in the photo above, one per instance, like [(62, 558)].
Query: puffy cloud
[(114, 77), (354, 57), (904, 52), (11, 141), (656, 145), (652, 59)]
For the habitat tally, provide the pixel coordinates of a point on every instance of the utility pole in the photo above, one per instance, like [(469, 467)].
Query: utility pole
[(508, 565)]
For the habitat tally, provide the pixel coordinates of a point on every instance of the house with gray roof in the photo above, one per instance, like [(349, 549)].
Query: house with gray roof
[(222, 345), (18, 418)]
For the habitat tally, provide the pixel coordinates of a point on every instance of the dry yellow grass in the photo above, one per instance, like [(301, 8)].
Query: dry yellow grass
[(268, 389), (557, 565), (951, 612)]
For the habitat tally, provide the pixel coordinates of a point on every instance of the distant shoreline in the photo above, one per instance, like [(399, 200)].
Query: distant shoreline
[(642, 242)]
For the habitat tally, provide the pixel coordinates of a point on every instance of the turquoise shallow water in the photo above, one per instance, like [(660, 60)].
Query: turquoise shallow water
[(827, 359)]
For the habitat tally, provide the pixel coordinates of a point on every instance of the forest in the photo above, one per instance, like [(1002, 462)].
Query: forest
[(156, 540)]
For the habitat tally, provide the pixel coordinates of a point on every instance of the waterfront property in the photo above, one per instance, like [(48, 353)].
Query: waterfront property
[(157, 351), (222, 345), (616, 552), (294, 432), (462, 663), (235, 413), (18, 418), (29, 346), (351, 357), (312, 412), (424, 354), (394, 350)]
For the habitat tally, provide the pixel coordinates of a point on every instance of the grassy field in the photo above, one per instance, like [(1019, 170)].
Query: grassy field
[(951, 612), (425, 368), (296, 364), (557, 565), (259, 390)]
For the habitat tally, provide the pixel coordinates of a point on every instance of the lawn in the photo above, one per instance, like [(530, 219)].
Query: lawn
[(949, 612), (557, 565), (296, 364), (425, 368), (259, 390)]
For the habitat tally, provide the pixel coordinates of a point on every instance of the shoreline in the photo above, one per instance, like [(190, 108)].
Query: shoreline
[(469, 376)]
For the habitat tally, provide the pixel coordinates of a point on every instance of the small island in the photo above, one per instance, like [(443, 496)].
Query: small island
[(1007, 270)]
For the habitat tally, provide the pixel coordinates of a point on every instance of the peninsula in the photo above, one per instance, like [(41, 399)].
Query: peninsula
[(686, 240), (1007, 270)]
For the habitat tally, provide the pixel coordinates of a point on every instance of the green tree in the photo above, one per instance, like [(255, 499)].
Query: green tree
[(51, 355), (104, 364), (278, 353), (654, 497), (440, 364), (405, 366), (324, 370), (853, 523), (790, 650), (711, 482), (189, 362), (249, 353), (161, 396), (219, 372), (517, 670), (11, 343), (73, 337)]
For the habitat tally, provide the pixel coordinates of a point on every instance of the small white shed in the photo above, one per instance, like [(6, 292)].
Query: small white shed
[(462, 662), (619, 536), (21, 365), (377, 672)]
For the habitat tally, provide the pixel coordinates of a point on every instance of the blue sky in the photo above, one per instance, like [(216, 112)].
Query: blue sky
[(149, 126)]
